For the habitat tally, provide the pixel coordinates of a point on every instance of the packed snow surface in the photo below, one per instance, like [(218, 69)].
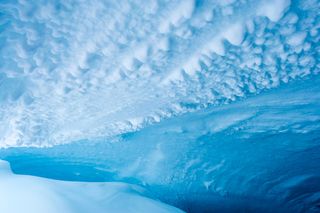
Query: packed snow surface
[(28, 194)]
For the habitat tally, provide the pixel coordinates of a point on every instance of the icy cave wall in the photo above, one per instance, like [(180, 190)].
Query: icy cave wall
[(257, 155), (211, 105), (82, 69)]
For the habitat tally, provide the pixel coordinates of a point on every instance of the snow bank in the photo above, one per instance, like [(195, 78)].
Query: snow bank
[(29, 194)]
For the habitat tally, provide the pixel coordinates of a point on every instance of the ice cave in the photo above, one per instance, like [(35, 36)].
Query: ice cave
[(159, 106)]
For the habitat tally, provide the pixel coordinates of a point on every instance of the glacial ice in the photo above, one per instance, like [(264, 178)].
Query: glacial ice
[(259, 154), (75, 69), (211, 106)]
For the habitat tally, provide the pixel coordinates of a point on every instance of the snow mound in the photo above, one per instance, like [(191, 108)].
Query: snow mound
[(29, 194)]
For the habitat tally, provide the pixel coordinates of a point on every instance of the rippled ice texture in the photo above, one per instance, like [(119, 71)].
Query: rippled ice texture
[(211, 105), (81, 69)]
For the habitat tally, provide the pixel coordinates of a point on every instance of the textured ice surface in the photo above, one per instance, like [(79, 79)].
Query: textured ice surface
[(20, 193), (211, 105), (260, 154), (72, 70)]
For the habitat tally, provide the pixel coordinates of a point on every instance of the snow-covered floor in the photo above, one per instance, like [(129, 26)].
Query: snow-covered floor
[(30, 194)]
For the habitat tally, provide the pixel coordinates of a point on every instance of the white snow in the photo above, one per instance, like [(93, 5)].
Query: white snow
[(273, 9), (216, 45), (29, 194), (234, 34), (296, 39)]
